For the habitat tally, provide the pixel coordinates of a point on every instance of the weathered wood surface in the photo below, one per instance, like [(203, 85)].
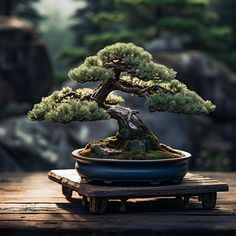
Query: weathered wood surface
[(192, 184), (97, 196), (30, 204)]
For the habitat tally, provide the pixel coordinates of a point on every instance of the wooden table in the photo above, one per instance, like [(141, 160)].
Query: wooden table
[(30, 204)]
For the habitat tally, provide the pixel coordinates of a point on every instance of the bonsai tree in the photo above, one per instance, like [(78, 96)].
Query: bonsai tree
[(130, 69)]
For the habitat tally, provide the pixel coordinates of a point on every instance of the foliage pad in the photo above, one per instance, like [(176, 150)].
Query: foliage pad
[(179, 100), (125, 58), (68, 110)]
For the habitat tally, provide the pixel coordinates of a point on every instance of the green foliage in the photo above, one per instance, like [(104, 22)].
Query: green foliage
[(229, 58), (52, 109), (154, 71), (194, 22), (84, 74), (176, 23), (226, 11), (111, 98), (74, 54), (137, 67), (130, 69), (125, 62), (126, 58), (129, 53), (179, 100), (166, 2), (136, 81), (216, 38), (107, 18), (94, 42), (60, 77)]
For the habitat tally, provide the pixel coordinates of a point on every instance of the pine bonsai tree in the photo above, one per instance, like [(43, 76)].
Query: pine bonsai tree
[(130, 69)]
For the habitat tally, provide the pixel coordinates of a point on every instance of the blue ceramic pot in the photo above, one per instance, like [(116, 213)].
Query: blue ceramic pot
[(113, 170)]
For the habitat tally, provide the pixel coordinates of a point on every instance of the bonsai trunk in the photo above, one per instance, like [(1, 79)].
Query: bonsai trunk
[(103, 90), (127, 118)]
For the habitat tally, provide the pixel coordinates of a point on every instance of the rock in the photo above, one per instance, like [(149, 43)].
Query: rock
[(100, 151), (35, 146), (135, 145), (25, 69), (38, 146)]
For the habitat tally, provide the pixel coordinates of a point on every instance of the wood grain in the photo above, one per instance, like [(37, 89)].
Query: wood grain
[(30, 204), (191, 184)]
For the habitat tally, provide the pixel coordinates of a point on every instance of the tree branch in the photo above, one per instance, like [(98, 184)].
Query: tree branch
[(69, 94), (73, 94), (127, 87), (138, 90), (156, 87), (101, 104)]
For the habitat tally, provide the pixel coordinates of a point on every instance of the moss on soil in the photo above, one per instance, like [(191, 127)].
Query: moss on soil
[(153, 149), (131, 155)]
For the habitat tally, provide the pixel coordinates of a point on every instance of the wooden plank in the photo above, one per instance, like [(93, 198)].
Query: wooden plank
[(152, 206), (192, 184), (123, 225), (112, 217)]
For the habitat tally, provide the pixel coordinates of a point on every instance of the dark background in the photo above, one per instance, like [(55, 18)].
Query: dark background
[(41, 40)]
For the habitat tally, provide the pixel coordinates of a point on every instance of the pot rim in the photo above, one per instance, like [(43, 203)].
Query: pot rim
[(77, 156)]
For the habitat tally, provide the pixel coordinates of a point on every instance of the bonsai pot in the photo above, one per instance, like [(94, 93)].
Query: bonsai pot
[(157, 171)]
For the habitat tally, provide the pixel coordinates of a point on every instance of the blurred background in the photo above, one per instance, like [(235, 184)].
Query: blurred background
[(40, 40)]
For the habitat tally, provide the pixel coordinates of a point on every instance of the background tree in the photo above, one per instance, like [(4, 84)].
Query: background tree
[(193, 23), (94, 27)]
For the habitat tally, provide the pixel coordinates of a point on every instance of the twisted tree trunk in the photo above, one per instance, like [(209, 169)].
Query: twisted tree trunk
[(127, 118)]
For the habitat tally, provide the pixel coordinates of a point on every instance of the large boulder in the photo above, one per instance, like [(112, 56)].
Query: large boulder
[(25, 68), (32, 146), (35, 146)]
